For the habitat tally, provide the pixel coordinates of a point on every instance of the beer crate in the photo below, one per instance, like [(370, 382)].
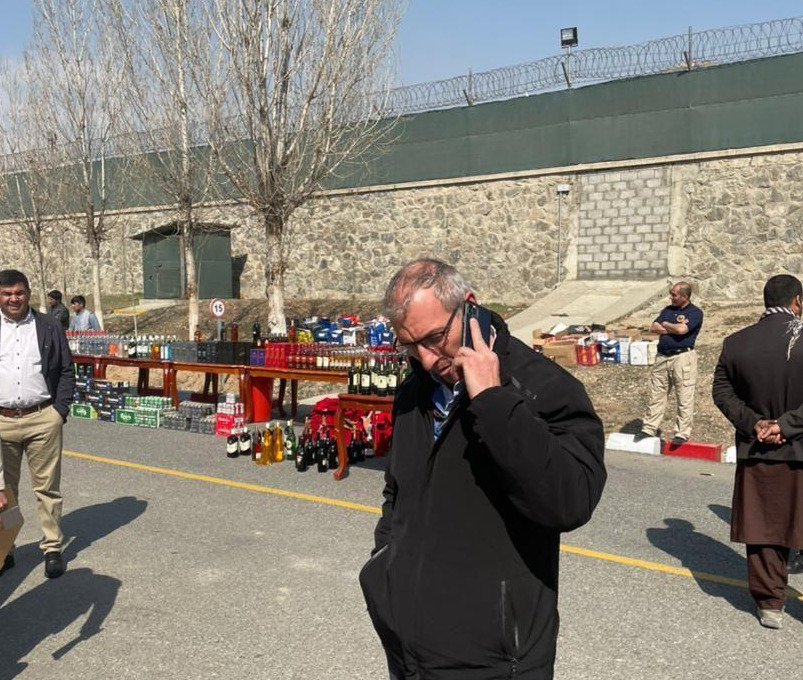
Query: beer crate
[(84, 411), (125, 416), (587, 354)]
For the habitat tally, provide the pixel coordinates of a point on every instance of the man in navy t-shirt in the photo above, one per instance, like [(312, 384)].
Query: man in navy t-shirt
[(675, 367)]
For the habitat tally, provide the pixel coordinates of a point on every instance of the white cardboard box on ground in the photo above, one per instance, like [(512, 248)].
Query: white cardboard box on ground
[(619, 441), (639, 353)]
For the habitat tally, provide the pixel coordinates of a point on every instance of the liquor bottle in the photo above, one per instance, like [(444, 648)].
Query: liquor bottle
[(365, 378), (132, 347), (223, 332), (198, 336), (232, 446), (354, 379), (291, 332), (311, 451), (245, 443), (381, 380), (359, 448), (289, 441), (256, 448), (267, 445), (321, 455), (301, 459), (278, 444), (331, 451), (235, 331), (393, 379), (256, 333)]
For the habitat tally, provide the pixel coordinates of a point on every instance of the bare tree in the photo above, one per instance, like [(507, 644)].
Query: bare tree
[(29, 181), (80, 100), (303, 91), (165, 42)]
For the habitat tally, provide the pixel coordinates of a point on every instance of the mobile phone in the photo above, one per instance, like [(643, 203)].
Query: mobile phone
[(483, 317)]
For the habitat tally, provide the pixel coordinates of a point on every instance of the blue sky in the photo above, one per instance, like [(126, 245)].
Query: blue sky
[(444, 38)]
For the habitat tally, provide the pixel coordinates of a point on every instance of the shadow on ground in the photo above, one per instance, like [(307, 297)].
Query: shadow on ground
[(54, 605), (708, 558)]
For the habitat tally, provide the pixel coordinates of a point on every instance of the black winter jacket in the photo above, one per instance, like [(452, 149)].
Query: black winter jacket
[(463, 581)]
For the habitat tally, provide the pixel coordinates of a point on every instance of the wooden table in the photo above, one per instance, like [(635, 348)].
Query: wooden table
[(294, 375), (363, 402), (212, 371)]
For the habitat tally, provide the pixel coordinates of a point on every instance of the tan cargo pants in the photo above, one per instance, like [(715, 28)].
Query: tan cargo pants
[(38, 436), (678, 373)]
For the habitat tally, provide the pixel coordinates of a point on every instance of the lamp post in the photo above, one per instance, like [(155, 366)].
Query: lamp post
[(563, 190)]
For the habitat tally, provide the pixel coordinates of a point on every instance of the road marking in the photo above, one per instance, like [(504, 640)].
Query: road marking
[(594, 554), (226, 482)]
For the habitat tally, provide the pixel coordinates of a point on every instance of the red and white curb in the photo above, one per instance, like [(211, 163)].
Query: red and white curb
[(654, 446)]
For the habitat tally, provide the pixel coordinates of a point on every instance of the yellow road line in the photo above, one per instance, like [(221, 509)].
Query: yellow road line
[(226, 482), (594, 554)]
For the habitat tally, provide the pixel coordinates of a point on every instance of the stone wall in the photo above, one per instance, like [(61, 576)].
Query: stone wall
[(726, 224)]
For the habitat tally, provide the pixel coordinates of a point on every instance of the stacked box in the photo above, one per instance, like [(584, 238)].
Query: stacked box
[(610, 351), (207, 424), (207, 352), (84, 411), (148, 416), (173, 420), (257, 357), (104, 396), (125, 416), (193, 412)]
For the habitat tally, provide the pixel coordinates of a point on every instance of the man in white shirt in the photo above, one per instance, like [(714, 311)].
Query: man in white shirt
[(36, 387)]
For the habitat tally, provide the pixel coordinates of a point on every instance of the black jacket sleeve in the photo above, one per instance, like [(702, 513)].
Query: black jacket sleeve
[(549, 455), (733, 408), (66, 384)]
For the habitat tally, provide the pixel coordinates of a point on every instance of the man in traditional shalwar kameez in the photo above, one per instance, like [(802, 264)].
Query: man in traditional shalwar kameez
[(758, 386)]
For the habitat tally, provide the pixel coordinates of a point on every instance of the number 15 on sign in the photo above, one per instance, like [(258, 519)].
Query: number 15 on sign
[(217, 307)]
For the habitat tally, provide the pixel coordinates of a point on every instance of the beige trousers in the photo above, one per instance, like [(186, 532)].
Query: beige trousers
[(678, 373), (38, 437)]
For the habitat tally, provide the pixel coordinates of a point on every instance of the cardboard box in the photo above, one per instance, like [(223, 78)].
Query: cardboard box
[(639, 353), (562, 353), (84, 411), (125, 416)]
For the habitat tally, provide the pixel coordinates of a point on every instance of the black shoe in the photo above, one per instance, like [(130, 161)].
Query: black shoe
[(54, 566), (641, 435), (7, 563), (678, 441)]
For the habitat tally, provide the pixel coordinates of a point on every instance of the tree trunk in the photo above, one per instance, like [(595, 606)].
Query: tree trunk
[(192, 279), (274, 276), (96, 284), (42, 289)]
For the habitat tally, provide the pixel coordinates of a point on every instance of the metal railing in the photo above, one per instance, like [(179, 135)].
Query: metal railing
[(675, 53)]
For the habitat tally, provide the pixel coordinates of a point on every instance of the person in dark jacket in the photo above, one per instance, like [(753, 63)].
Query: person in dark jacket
[(36, 388), (57, 308), (757, 386), (496, 451)]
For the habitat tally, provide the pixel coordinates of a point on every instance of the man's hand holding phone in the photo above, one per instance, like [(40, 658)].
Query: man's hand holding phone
[(479, 365)]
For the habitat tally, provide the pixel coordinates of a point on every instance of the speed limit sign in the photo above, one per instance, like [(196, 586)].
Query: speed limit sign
[(217, 307)]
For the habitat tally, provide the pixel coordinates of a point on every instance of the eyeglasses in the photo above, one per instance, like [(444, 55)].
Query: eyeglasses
[(432, 341)]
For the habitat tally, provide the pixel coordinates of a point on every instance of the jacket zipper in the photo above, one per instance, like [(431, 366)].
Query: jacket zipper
[(512, 658)]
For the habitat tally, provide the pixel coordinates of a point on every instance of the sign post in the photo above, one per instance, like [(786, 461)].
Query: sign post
[(217, 308)]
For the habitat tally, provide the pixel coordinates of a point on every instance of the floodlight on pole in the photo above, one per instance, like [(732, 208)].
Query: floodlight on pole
[(568, 39)]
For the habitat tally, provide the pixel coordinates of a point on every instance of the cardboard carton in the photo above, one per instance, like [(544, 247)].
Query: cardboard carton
[(562, 353)]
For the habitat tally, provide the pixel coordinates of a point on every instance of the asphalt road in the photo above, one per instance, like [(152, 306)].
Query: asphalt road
[(184, 564)]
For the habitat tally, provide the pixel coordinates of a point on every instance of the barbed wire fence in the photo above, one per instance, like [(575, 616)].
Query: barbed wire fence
[(676, 53)]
